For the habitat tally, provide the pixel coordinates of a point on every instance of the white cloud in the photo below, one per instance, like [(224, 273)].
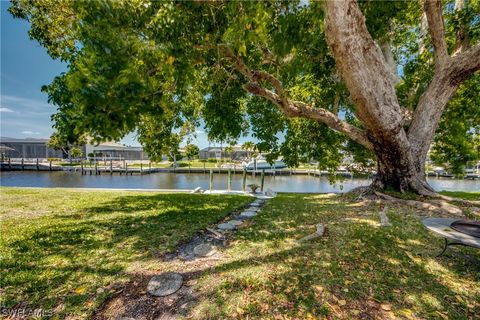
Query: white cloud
[(6, 110), (30, 132)]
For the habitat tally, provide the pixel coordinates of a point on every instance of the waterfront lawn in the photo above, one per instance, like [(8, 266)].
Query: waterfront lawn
[(462, 195), (60, 249), (358, 270)]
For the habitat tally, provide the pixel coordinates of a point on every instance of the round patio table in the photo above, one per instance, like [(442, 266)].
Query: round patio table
[(442, 227)]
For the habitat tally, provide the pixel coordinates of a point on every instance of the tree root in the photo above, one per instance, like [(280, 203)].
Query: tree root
[(433, 206)]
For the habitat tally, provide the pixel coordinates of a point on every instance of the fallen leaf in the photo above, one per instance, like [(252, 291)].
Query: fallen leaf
[(386, 307), (80, 290), (342, 302), (318, 289)]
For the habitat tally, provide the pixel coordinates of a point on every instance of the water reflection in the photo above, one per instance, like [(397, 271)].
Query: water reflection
[(295, 183)]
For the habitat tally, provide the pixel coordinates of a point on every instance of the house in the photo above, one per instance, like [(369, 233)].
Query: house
[(219, 152), (115, 151), (29, 148)]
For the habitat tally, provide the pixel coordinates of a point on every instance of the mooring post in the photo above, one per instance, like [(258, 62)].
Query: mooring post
[(150, 167), (111, 166), (262, 180), (141, 168), (9, 163), (81, 167), (244, 180), (126, 168), (38, 167), (204, 170), (211, 179), (23, 164), (50, 165), (229, 180), (96, 168)]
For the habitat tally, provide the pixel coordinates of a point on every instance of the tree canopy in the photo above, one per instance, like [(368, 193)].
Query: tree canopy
[(271, 68)]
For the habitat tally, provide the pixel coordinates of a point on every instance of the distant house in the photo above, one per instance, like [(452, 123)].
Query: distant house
[(116, 151), (219, 152), (31, 148), (28, 148)]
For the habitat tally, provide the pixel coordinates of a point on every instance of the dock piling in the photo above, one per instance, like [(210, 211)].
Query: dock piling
[(262, 180), (229, 179), (211, 179), (23, 164), (244, 180)]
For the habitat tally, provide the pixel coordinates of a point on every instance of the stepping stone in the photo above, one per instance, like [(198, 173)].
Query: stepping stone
[(204, 250), (255, 204), (165, 284), (226, 226), (235, 222), (253, 209), (248, 214)]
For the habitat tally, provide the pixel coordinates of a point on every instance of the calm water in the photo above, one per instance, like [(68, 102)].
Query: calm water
[(295, 183)]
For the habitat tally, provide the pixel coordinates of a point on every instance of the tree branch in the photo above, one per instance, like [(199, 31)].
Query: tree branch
[(465, 64), (293, 108), (302, 110), (433, 11), (433, 101)]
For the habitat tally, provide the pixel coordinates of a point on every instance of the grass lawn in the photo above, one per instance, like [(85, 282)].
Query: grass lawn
[(463, 195), (60, 249), (358, 270)]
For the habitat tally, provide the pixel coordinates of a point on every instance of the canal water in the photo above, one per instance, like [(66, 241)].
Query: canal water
[(294, 183)]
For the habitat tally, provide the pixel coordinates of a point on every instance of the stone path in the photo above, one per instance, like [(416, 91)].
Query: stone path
[(192, 258), (171, 294)]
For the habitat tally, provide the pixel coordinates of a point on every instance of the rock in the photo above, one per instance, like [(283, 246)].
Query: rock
[(270, 193), (204, 250), (384, 221), (197, 190), (165, 284), (235, 222), (226, 226), (320, 231), (253, 209), (248, 214), (215, 233), (255, 204)]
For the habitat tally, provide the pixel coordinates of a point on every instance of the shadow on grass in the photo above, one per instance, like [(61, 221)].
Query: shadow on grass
[(357, 261), (60, 260)]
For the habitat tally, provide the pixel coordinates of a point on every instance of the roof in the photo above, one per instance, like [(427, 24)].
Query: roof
[(110, 146), (22, 140), (219, 149)]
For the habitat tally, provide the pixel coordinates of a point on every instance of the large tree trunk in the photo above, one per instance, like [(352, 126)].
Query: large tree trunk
[(393, 173)]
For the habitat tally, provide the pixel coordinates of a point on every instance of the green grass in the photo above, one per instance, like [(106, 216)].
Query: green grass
[(462, 195), (357, 270), (60, 249)]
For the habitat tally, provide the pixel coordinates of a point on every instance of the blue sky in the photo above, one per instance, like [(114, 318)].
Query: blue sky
[(25, 67)]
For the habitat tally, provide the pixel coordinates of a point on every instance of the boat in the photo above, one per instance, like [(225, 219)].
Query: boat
[(260, 163)]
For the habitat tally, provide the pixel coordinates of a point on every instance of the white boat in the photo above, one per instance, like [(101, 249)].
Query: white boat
[(260, 164)]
